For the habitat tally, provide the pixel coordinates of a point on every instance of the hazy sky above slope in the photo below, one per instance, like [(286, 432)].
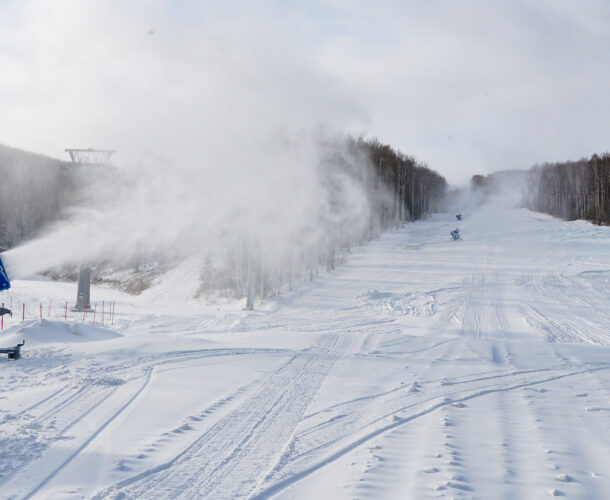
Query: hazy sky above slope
[(465, 86)]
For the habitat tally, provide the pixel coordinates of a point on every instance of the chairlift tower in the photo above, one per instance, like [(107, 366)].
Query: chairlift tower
[(82, 158), (89, 157)]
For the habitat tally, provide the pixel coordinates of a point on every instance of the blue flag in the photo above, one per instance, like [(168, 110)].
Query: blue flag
[(5, 284)]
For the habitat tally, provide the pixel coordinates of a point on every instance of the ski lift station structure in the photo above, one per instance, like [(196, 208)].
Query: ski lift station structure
[(79, 159)]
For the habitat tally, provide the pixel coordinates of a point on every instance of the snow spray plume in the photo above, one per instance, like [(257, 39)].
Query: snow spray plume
[(215, 123), (507, 189), (293, 192)]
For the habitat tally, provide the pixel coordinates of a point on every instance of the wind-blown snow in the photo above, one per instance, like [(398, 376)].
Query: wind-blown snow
[(421, 368)]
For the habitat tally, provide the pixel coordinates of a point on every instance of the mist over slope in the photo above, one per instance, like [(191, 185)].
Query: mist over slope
[(570, 190), (278, 210)]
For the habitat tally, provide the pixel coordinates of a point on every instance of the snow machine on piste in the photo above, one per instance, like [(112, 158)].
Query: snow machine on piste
[(4, 310), (13, 352), (455, 234), (5, 284)]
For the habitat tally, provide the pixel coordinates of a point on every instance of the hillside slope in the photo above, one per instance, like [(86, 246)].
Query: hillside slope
[(421, 368)]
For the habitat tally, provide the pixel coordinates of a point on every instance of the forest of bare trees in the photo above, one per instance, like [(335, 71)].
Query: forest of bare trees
[(395, 189), (414, 190), (33, 191), (570, 190), (573, 190)]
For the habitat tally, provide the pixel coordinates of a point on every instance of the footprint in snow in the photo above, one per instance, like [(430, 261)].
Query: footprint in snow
[(431, 470), (122, 465), (557, 493), (182, 428), (459, 477), (414, 387), (459, 486), (565, 478)]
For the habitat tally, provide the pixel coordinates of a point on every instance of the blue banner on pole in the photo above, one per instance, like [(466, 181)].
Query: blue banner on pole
[(5, 284)]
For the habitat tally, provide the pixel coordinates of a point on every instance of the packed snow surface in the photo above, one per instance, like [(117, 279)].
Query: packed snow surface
[(421, 368)]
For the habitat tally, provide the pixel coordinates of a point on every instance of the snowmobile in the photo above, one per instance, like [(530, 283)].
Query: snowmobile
[(455, 234)]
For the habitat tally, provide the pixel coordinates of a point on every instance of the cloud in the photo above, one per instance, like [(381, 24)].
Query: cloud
[(468, 87)]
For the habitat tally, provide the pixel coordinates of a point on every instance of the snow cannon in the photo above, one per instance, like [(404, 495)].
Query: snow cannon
[(455, 234), (13, 352), (458, 216), (4, 310), (5, 284)]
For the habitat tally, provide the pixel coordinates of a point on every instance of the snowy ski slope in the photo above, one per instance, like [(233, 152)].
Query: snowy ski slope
[(421, 368)]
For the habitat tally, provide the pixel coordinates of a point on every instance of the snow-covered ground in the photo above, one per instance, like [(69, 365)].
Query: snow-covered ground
[(422, 368)]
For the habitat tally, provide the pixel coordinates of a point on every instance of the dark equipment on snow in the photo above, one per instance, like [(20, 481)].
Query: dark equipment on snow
[(458, 216), (4, 310), (13, 352), (455, 234)]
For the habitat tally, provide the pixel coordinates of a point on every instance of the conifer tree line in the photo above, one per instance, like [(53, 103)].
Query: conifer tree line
[(573, 190)]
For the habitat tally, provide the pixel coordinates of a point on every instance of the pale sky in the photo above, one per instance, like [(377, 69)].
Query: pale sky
[(465, 86)]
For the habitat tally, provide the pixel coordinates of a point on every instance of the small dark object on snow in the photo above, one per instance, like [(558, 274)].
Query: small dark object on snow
[(4, 310), (458, 216), (13, 352), (455, 234)]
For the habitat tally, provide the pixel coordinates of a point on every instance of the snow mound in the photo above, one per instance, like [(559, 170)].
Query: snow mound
[(51, 332)]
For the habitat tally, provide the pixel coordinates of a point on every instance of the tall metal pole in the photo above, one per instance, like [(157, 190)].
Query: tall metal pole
[(249, 291), (83, 294), (80, 158)]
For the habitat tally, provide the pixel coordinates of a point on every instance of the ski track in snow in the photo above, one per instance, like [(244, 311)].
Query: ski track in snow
[(242, 444), (422, 368)]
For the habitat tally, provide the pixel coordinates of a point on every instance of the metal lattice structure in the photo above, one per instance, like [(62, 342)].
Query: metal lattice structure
[(90, 156), (86, 158)]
